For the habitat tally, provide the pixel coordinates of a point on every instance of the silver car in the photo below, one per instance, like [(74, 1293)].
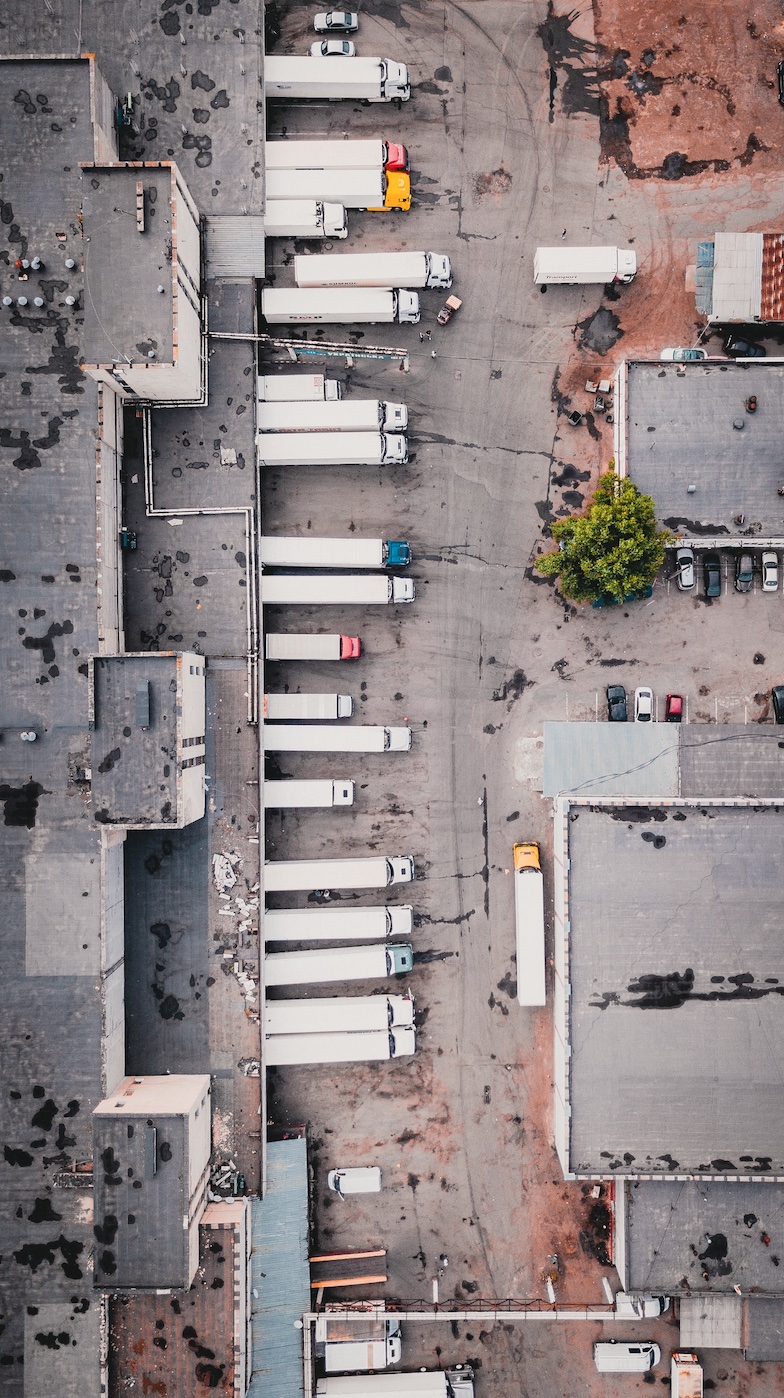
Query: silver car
[(770, 571), (333, 48)]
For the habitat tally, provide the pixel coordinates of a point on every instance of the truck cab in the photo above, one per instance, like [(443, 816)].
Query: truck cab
[(396, 157), (398, 190)]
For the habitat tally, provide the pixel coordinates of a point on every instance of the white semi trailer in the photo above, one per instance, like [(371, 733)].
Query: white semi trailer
[(288, 795), (282, 737), (374, 1046), (311, 645), (529, 925), (297, 388), (442, 1383), (296, 154), (376, 191), (411, 269), (370, 1340), (363, 79), (304, 218), (280, 551), (306, 875), (339, 305), (308, 706), (583, 266), (334, 589), (350, 1014), (349, 415), (337, 964), (337, 924), (331, 448)]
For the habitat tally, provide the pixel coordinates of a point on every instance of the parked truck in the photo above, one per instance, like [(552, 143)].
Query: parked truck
[(282, 737), (279, 551), (331, 448), (338, 1014), (297, 388), (362, 79), (338, 964), (685, 1376), (411, 269), (339, 305), (311, 645), (583, 266), (308, 706), (377, 191), (337, 924), (441, 1383), (354, 415), (373, 1046), (335, 589), (296, 154), (306, 875), (304, 218), (287, 795), (367, 1341), (529, 925)]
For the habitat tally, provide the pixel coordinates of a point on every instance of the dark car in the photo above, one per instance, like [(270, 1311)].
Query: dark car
[(780, 76), (743, 349), (777, 695), (616, 703), (673, 709), (711, 571), (744, 572)]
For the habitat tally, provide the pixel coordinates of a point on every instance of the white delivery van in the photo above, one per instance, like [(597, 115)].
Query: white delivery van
[(356, 1179), (618, 1357)]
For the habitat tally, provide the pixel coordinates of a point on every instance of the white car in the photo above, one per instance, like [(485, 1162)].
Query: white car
[(336, 22), (770, 571), (680, 355), (643, 705), (333, 48), (684, 564), (640, 1305)]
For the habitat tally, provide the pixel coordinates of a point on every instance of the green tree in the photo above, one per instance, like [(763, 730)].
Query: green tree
[(612, 550)]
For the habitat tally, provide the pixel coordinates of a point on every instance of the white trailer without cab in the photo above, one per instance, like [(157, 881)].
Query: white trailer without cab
[(306, 875), (304, 218), (307, 706), (341, 1014), (335, 589), (349, 415), (287, 795), (297, 388), (281, 737), (366, 79), (337, 924), (442, 1383), (331, 448), (374, 1046), (339, 305), (410, 269), (337, 964)]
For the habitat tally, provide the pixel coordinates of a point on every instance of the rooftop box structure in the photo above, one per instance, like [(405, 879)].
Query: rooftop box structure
[(152, 1142), (142, 279), (740, 278), (148, 742)]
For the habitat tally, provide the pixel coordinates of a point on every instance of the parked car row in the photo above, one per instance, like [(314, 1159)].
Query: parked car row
[(618, 707), (746, 566)]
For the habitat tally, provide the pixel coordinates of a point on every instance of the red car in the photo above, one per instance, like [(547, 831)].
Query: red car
[(673, 709)]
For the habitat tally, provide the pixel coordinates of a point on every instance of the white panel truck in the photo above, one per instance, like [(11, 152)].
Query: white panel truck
[(441, 1383), (335, 589), (339, 305), (307, 706), (296, 154), (282, 737), (278, 551), (349, 1014), (331, 449), (297, 388), (337, 924), (337, 964), (529, 925), (304, 218), (311, 645), (288, 795), (583, 266), (349, 415), (373, 1046), (363, 79), (411, 269), (377, 191), (685, 1376), (369, 1340), (307, 875)]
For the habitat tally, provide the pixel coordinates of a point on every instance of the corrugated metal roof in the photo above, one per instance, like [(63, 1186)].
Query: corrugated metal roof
[(610, 759), (703, 279), (763, 1329), (737, 276), (772, 295), (280, 1276), (235, 246), (710, 1322)]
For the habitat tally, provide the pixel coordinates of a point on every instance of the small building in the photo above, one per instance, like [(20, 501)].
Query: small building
[(143, 324), (739, 278), (148, 739), (152, 1146)]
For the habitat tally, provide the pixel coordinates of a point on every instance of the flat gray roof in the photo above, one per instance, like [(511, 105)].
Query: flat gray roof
[(676, 964), (126, 317), (680, 433), (705, 1237), (135, 767)]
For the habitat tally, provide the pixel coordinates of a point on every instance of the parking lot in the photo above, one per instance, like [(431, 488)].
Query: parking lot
[(486, 654)]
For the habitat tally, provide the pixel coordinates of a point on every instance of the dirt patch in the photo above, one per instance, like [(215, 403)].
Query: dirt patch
[(494, 183)]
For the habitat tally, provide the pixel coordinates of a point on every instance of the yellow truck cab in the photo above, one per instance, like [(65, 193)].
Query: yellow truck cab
[(398, 191), (526, 857)]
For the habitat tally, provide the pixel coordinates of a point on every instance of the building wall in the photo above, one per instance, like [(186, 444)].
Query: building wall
[(192, 726), (112, 960), (108, 521), (177, 382), (562, 1050), (102, 103)]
